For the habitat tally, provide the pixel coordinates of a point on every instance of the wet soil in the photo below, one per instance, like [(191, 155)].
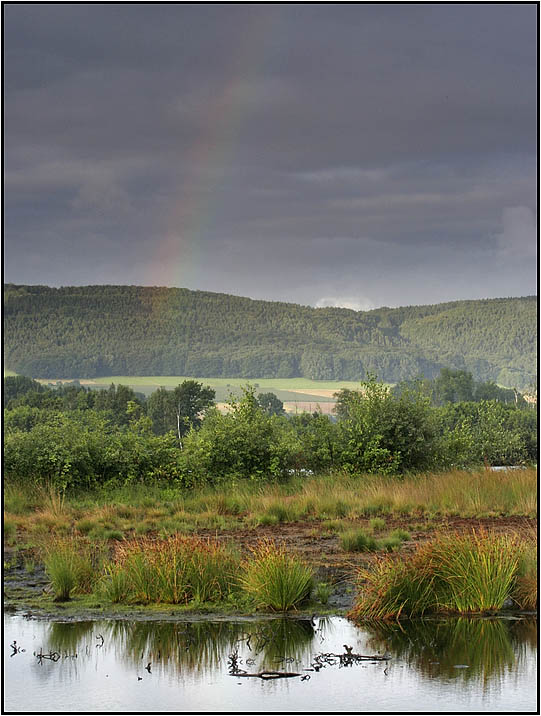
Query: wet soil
[(26, 587), (322, 550)]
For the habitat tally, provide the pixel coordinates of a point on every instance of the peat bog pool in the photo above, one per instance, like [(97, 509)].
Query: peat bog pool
[(436, 665)]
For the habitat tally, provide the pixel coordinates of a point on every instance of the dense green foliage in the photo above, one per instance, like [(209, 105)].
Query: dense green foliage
[(76, 438), (128, 330), (179, 409), (456, 386)]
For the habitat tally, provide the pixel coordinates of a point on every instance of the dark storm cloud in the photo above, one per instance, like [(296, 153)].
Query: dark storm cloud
[(355, 154)]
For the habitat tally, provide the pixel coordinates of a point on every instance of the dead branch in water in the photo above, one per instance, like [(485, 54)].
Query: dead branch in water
[(270, 674)]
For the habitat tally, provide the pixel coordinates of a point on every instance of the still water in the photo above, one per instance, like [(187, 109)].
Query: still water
[(185, 666)]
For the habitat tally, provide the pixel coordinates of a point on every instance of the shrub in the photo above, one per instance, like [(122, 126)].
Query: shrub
[(275, 579), (244, 443), (385, 433)]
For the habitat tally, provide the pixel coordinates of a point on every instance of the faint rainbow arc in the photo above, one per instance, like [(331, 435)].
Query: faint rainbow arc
[(178, 256)]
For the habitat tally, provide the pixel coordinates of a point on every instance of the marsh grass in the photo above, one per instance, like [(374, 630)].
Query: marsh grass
[(477, 571), (71, 564), (53, 500), (114, 584), (86, 525), (390, 543), (175, 570), (400, 534), (20, 499), (144, 509), (358, 540), (275, 579), (459, 573), (10, 529), (525, 588), (322, 592)]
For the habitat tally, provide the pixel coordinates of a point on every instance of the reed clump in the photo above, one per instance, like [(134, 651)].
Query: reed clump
[(71, 564), (274, 578), (454, 573), (176, 570), (525, 589), (357, 540)]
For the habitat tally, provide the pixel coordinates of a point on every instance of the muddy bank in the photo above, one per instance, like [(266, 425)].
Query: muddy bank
[(27, 591)]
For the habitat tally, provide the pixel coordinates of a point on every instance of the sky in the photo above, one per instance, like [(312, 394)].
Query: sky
[(330, 155)]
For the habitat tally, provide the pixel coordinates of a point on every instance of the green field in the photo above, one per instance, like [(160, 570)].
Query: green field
[(287, 389)]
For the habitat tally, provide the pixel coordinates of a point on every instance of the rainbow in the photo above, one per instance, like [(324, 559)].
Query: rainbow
[(178, 257)]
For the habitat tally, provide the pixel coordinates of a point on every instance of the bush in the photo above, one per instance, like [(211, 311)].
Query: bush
[(485, 432), (244, 443), (81, 449), (381, 432)]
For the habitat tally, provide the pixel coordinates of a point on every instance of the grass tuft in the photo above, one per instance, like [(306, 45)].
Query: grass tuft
[(466, 573), (70, 564), (525, 589), (176, 570), (275, 579), (358, 541), (377, 524)]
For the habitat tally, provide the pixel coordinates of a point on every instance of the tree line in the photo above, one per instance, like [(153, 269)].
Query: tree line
[(73, 437)]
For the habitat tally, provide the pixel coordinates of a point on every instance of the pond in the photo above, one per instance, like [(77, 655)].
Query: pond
[(439, 665)]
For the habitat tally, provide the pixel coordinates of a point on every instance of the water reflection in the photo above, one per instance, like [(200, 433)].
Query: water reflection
[(103, 665), (192, 645), (457, 648)]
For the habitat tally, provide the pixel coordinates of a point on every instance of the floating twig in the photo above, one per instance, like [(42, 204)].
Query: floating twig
[(270, 674), (52, 656)]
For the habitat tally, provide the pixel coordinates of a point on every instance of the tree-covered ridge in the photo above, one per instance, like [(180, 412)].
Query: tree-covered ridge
[(90, 331)]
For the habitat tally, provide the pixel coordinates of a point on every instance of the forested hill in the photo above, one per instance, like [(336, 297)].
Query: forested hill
[(89, 331)]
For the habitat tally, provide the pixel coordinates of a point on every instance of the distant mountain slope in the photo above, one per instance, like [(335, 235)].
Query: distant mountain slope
[(90, 331)]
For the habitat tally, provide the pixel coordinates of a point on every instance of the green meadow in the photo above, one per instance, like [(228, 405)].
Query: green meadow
[(287, 389)]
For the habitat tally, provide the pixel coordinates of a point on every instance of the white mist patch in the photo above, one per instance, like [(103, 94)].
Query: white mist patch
[(359, 303), (519, 237)]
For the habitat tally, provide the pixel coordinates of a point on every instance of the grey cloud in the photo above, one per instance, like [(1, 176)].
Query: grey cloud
[(309, 152)]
